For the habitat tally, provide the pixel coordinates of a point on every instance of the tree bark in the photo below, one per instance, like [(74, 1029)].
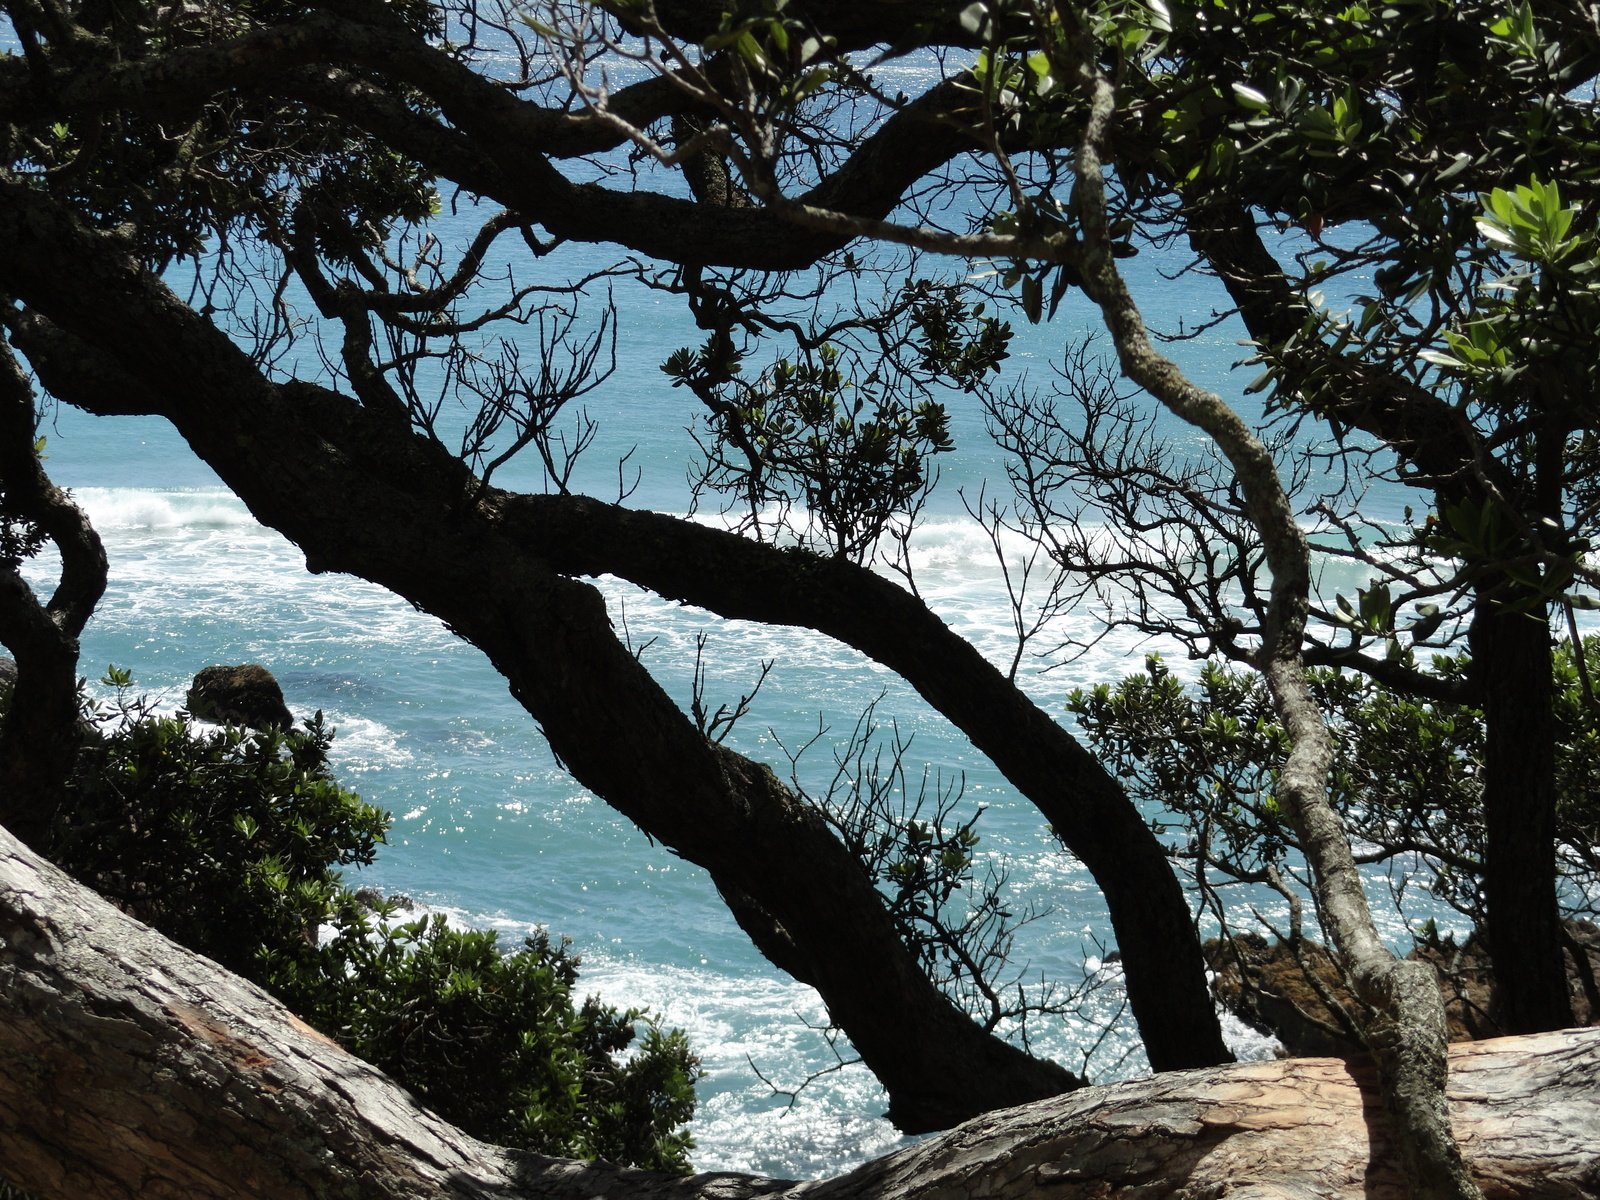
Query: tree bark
[(1511, 656), (1088, 810), (135, 1068)]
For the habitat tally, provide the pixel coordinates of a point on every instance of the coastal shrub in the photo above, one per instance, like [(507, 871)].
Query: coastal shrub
[(1406, 779), (495, 1043), (230, 841), (227, 840)]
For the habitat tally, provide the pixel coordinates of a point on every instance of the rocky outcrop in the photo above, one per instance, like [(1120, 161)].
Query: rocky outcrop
[(243, 695), (1297, 993), (1294, 991)]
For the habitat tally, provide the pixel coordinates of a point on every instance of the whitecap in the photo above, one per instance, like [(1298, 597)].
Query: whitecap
[(144, 508)]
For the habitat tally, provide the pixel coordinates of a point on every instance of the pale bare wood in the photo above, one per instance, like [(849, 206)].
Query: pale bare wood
[(130, 1067)]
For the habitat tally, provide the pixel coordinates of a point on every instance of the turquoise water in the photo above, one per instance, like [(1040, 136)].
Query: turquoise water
[(489, 830)]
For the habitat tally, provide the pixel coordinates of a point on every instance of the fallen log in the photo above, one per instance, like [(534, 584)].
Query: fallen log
[(130, 1067)]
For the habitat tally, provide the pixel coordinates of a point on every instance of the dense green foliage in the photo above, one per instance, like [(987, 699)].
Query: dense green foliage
[(229, 840), (1407, 777), (225, 839), (20, 538), (233, 170), (842, 435), (495, 1043)]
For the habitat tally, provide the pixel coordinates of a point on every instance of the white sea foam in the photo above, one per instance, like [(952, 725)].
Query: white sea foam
[(361, 745), (955, 565), (142, 508), (1248, 1043)]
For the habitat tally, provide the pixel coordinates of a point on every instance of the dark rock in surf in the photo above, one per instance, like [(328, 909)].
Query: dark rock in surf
[(374, 901), (244, 695)]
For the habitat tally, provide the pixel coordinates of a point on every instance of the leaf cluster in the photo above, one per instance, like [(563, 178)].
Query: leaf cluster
[(20, 536), (1406, 778), (226, 839), (496, 1043), (177, 178), (846, 429), (777, 49)]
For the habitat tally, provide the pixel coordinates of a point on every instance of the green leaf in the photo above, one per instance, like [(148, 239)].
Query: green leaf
[(1249, 98), (1032, 299)]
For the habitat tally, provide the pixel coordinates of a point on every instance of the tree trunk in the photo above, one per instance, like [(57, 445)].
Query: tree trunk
[(1511, 653), (1441, 449), (1084, 805), (1405, 1029), (135, 1068)]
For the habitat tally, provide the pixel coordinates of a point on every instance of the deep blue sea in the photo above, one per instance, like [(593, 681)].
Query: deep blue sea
[(488, 829)]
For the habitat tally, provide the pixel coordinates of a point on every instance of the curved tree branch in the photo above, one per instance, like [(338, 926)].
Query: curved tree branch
[(360, 495), (725, 573), (40, 731)]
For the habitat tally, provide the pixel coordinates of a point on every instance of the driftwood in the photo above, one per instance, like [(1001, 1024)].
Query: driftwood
[(131, 1067)]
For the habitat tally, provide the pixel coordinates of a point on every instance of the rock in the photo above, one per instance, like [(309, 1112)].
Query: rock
[(1268, 987), (1467, 980), (373, 901), (244, 695), (8, 674)]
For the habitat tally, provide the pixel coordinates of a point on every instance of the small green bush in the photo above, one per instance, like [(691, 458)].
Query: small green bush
[(1406, 775), (226, 840), (494, 1043), (229, 841)]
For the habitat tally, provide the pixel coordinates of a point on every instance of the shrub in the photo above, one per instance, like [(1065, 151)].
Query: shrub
[(226, 840), (494, 1043), (1406, 775)]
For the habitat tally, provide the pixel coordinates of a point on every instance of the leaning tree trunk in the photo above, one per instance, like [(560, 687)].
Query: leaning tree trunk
[(136, 1068), (359, 492)]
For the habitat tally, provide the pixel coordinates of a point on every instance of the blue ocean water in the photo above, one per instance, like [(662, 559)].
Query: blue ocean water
[(488, 829)]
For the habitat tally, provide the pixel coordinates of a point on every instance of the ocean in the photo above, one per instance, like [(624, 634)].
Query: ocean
[(488, 829)]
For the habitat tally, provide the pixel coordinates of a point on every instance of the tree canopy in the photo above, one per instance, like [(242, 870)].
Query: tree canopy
[(218, 214)]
